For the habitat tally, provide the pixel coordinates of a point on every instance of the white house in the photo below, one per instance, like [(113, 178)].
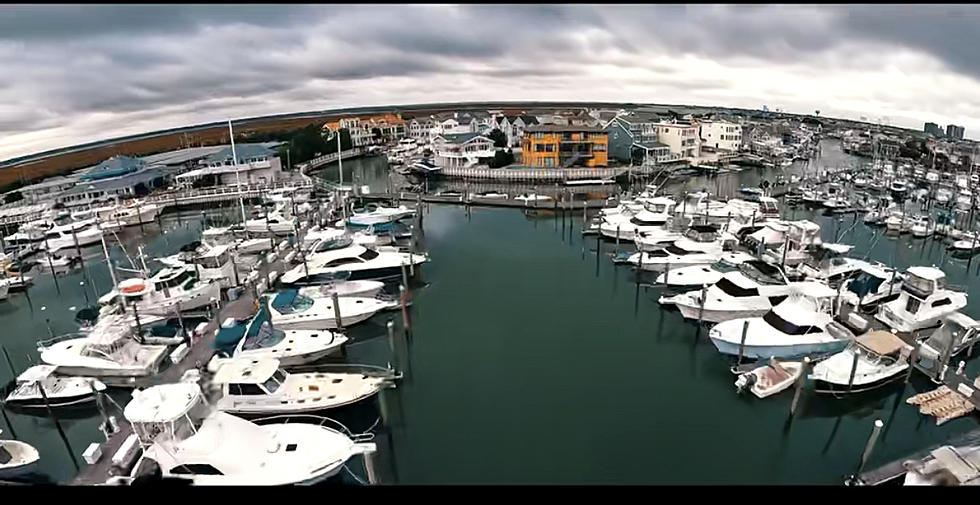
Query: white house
[(256, 164), (680, 138), (461, 149), (513, 127), (420, 128), (721, 136)]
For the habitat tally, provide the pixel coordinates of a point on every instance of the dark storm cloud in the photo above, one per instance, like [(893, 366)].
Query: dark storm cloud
[(66, 64)]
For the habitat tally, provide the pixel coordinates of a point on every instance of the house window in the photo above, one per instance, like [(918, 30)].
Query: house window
[(539, 135), (599, 147)]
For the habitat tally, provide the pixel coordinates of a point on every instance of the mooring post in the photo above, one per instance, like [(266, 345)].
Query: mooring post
[(854, 365), (403, 296), (912, 357), (944, 364), (57, 424), (875, 431), (369, 466), (391, 337), (338, 322), (704, 294), (405, 275), (666, 273), (741, 343), (800, 381), (617, 238)]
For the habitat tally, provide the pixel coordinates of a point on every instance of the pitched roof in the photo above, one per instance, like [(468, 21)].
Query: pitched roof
[(461, 138), (113, 167), (243, 151), (529, 120)]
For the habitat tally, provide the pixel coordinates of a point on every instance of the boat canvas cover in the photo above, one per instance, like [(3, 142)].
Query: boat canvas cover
[(163, 403), (284, 299), (881, 342), (227, 338)]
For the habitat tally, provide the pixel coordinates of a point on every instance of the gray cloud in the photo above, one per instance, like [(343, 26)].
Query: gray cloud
[(85, 72)]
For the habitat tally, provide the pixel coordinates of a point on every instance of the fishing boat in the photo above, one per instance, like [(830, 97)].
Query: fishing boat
[(794, 328), (694, 275), (702, 245), (60, 391), (169, 290), (17, 459), (957, 333), (80, 233), (920, 227), (655, 214), (734, 296), (359, 261), (872, 360), (769, 379), (186, 438), (108, 350), (291, 310), (922, 303), (875, 284), (257, 338), (261, 386)]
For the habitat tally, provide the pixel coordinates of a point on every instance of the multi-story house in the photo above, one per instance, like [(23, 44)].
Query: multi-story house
[(553, 146), (681, 138), (461, 149), (513, 127), (721, 136)]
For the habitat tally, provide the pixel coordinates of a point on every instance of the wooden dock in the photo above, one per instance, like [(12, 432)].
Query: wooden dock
[(464, 199), (896, 469)]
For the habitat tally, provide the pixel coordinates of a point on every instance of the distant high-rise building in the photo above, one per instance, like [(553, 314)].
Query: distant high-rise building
[(933, 129), (955, 132)]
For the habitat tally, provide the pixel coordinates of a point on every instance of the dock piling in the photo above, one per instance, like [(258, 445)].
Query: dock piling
[(875, 431), (800, 381), (338, 322), (57, 424), (741, 343), (704, 293), (854, 366)]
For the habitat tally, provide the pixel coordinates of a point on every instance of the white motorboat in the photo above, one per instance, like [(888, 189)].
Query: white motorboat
[(827, 263), (291, 310), (875, 284), (796, 327), (260, 386), (217, 236), (170, 290), (61, 391), (29, 233), (897, 221), (694, 275), (186, 438), (379, 216), (209, 263), (256, 338), (364, 289), (736, 296), (964, 200), (655, 238), (800, 236), (923, 302), (56, 262), (17, 459), (652, 218), (875, 359), (131, 214), (944, 195), (702, 245), (360, 262), (920, 227), (769, 379), (968, 243), (276, 223), (64, 236), (108, 350), (898, 188)]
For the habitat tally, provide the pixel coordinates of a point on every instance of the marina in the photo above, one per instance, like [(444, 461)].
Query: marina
[(646, 350)]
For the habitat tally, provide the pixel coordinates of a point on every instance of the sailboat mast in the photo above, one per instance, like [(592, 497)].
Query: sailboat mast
[(238, 180), (340, 160)]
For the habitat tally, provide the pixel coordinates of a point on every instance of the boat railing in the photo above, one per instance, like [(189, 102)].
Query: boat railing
[(319, 421), (362, 368), (44, 344)]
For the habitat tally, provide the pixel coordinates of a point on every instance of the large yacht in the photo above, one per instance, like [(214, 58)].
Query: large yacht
[(923, 302)]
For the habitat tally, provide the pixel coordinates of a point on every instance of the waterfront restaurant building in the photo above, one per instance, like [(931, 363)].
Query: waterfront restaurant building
[(554, 146)]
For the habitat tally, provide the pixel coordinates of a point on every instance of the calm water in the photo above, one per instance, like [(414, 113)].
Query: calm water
[(533, 362)]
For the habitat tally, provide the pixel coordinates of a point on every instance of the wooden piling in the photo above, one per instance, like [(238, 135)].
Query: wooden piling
[(741, 343), (704, 294), (57, 424), (875, 431), (854, 365), (800, 381), (338, 322)]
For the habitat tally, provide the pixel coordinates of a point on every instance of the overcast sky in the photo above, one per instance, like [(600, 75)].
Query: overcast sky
[(79, 73)]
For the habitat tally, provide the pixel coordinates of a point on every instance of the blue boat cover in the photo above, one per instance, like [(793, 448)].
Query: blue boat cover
[(227, 338), (283, 300)]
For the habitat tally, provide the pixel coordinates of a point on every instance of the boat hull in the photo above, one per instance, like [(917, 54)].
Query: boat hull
[(780, 351)]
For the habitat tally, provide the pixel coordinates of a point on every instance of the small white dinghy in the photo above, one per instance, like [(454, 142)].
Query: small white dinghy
[(16, 458), (770, 379)]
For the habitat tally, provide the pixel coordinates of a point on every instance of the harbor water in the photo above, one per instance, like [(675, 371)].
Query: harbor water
[(534, 359)]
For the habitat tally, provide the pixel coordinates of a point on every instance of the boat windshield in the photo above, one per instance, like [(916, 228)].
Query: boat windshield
[(368, 254), (673, 249), (264, 337), (271, 385), (732, 289), (784, 326), (291, 302)]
